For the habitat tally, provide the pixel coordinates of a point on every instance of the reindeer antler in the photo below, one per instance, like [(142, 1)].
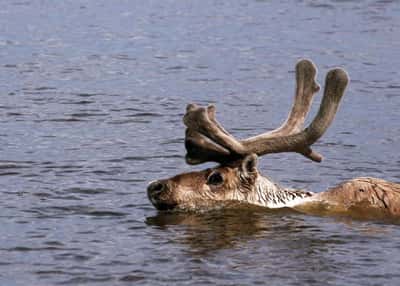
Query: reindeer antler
[(206, 140)]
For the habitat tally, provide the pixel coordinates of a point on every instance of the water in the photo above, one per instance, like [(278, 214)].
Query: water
[(92, 95)]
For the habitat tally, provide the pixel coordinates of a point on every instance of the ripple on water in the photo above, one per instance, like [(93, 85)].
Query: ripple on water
[(92, 112), (74, 210)]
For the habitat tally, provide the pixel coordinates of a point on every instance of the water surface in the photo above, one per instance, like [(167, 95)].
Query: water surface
[(92, 95)]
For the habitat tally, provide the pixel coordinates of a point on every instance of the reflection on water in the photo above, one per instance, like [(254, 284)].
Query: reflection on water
[(214, 230), (92, 95), (206, 232), (284, 244)]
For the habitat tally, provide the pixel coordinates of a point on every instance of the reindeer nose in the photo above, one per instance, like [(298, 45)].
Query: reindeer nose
[(156, 188)]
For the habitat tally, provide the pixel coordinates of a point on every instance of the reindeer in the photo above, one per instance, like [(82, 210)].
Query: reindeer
[(237, 180)]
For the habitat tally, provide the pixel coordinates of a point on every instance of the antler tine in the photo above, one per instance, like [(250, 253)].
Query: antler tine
[(198, 119), (201, 149), (206, 140), (335, 84), (306, 88)]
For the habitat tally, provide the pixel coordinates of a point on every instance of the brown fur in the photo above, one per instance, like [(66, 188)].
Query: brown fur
[(192, 191), (207, 141), (366, 198)]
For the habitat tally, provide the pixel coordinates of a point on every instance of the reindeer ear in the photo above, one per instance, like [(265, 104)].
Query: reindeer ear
[(249, 164)]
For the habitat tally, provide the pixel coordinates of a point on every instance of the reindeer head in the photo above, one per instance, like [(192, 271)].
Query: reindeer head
[(237, 178), (226, 183)]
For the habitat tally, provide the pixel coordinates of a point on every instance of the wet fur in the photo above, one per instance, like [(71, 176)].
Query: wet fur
[(361, 197)]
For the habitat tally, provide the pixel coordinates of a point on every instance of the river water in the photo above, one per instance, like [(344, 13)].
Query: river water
[(92, 95)]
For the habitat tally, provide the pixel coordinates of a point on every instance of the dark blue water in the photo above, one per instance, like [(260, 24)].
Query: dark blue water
[(92, 95)]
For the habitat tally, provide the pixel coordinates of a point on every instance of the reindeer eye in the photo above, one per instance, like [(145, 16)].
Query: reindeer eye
[(215, 179)]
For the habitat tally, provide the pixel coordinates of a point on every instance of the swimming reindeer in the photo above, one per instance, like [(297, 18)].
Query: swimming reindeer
[(237, 178)]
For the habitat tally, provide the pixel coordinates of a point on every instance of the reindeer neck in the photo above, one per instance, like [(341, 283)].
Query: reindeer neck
[(271, 195)]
